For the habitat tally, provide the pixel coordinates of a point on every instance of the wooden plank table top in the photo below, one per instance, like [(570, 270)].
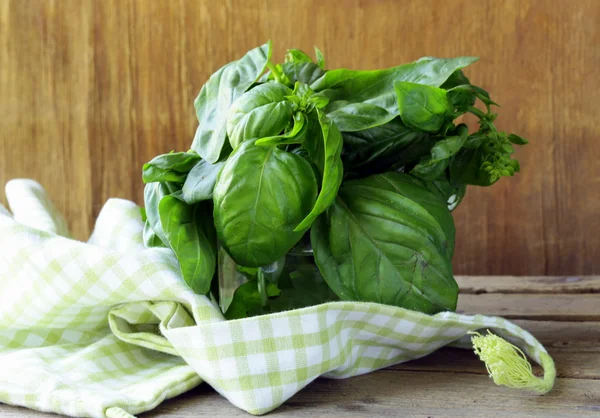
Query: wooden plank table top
[(562, 312)]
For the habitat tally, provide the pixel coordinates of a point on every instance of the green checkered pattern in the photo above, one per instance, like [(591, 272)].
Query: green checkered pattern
[(108, 328)]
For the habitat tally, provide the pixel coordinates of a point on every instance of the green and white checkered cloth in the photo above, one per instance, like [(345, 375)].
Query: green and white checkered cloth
[(108, 328)]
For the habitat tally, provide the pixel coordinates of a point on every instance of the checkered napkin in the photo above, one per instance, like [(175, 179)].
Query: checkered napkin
[(108, 328)]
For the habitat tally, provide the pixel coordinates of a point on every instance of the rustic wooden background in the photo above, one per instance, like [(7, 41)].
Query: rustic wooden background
[(90, 90)]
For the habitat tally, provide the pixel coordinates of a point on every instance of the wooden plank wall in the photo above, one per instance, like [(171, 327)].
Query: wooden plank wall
[(90, 90)]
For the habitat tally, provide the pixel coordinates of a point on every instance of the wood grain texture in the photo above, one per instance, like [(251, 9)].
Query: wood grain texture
[(450, 382), (570, 364), (392, 393), (93, 89), (560, 307), (524, 284)]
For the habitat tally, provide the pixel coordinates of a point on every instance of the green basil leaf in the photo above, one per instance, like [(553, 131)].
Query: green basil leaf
[(200, 182), (376, 149), (304, 72), (517, 140), (377, 87), (449, 192), (150, 238), (295, 55), (295, 136), (172, 167), (313, 143), (466, 168), (487, 158), (484, 96), (429, 169), (218, 94), (421, 193), (427, 70), (474, 140), (333, 171), (457, 78), (413, 154), (261, 112), (247, 300), (422, 107), (190, 233), (261, 195), (359, 116), (299, 285), (434, 166), (449, 146), (376, 245), (320, 58), (462, 97), (153, 194)]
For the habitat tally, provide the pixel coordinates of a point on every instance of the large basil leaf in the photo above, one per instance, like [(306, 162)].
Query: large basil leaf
[(190, 233), (377, 87), (218, 94), (261, 112), (172, 167), (333, 170), (427, 70), (261, 195), (376, 149), (200, 182), (422, 107), (298, 66), (359, 116), (421, 193), (305, 72), (377, 245)]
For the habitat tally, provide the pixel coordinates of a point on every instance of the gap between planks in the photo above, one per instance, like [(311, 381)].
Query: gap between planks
[(559, 298), (554, 307), (528, 284)]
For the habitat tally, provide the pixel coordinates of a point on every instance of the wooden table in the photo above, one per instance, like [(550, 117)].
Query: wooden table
[(562, 312)]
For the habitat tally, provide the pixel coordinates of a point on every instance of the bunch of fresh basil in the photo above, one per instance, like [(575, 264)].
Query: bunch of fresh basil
[(305, 185)]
